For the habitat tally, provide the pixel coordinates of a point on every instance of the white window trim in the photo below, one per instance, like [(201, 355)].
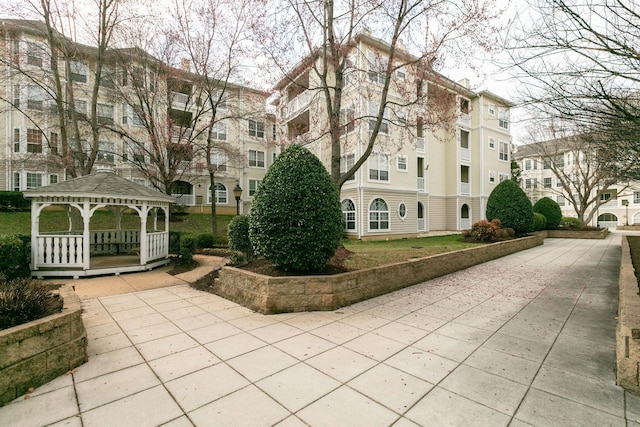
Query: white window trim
[(264, 159), (375, 155), (369, 217), (406, 211), (492, 177), (492, 143), (491, 109), (249, 181), (406, 163)]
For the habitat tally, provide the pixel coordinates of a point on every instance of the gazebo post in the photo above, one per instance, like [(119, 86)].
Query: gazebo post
[(86, 235), (35, 226), (143, 233)]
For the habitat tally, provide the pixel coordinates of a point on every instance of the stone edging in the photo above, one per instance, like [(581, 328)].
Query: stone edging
[(628, 329), (269, 295), (575, 234), (37, 352)]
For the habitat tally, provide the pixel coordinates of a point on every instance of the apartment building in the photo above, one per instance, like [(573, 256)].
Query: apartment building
[(619, 204), (150, 120), (418, 178)]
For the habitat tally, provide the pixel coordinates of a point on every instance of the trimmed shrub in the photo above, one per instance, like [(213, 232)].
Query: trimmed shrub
[(204, 240), (485, 231), (239, 235), (13, 201), (551, 211), (539, 221), (569, 222), (187, 249), (174, 242), (296, 220), (508, 203), (14, 256), (23, 300), (220, 241)]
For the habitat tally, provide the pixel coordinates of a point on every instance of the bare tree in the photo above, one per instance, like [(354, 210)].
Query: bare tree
[(583, 170), (418, 35), (580, 62)]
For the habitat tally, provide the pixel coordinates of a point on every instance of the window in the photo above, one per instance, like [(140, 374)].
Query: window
[(464, 106), (124, 77), (546, 164), (254, 184), (374, 65), (53, 178), (219, 131), (54, 143), (16, 96), (503, 118), (136, 120), (221, 194), (34, 55), (220, 99), (137, 76), (401, 115), (219, 161), (569, 158), (346, 162), (15, 51), (420, 127), (492, 177), (78, 71), (34, 141), (379, 167), (140, 181), (558, 183), (373, 112), (16, 181), (605, 197), (401, 163), (347, 117), (105, 151), (348, 215), (402, 211), (491, 109), (636, 197), (504, 151), (492, 143), (16, 140), (34, 180), (401, 73), (560, 200), (80, 106), (152, 82), (378, 215), (528, 183), (105, 114), (559, 161), (256, 158), (107, 77), (256, 129), (527, 164), (503, 177), (547, 182), (35, 97)]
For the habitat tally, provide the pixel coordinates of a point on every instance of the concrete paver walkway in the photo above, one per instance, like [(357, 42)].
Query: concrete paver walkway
[(527, 339)]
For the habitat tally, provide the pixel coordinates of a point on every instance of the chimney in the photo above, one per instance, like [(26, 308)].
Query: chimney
[(465, 83), (185, 64)]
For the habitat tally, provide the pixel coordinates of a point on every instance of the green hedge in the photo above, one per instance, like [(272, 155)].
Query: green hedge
[(14, 256), (13, 200)]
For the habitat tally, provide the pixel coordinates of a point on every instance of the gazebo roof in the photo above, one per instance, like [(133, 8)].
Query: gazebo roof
[(101, 184)]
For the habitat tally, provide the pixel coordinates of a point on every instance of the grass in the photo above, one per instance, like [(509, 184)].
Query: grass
[(56, 220), (372, 254)]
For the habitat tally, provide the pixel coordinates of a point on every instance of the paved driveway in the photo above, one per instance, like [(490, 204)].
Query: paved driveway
[(526, 339)]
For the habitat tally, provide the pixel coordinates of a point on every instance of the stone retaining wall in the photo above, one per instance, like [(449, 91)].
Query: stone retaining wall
[(576, 234), (39, 351), (269, 295), (628, 330)]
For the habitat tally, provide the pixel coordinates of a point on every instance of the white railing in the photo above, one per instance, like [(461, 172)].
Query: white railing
[(184, 199), (157, 245), (113, 241), (420, 145), (465, 154), (465, 223), (297, 104), (464, 119), (59, 250), (465, 188), (180, 100), (421, 184), (611, 203), (421, 224)]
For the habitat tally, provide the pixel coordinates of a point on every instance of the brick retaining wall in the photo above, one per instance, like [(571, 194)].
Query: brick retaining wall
[(269, 295), (37, 352), (628, 330)]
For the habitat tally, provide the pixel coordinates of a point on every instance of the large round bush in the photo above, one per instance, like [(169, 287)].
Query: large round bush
[(296, 220), (511, 206), (539, 221), (551, 210)]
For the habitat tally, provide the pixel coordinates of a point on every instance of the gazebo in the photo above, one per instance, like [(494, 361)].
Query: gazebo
[(78, 250)]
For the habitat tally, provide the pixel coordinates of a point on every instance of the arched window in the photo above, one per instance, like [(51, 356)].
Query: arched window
[(348, 215), (421, 221), (221, 194), (378, 215)]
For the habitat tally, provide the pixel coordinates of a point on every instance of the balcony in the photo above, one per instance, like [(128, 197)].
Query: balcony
[(465, 154), (464, 119), (465, 188), (611, 203), (421, 184), (179, 100), (184, 199), (465, 223), (420, 145), (296, 105)]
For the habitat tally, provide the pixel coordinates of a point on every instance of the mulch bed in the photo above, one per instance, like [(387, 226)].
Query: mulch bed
[(634, 248)]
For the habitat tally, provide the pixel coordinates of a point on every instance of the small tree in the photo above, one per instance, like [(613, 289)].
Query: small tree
[(511, 206), (295, 219), (551, 211)]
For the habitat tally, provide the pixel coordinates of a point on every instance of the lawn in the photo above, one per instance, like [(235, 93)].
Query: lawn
[(371, 254), (56, 220)]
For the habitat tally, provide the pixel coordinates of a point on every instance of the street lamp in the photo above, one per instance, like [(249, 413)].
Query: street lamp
[(625, 203), (237, 192)]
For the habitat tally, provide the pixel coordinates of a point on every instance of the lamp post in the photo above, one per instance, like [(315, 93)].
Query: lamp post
[(237, 192), (625, 203)]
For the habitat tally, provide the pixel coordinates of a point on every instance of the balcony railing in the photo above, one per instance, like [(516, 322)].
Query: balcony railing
[(421, 224), (611, 203), (297, 104), (421, 184), (420, 145), (180, 100), (464, 119), (465, 223), (465, 188), (184, 199), (465, 154)]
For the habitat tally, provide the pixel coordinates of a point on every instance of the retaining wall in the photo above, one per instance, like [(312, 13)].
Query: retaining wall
[(37, 352), (628, 330), (269, 295)]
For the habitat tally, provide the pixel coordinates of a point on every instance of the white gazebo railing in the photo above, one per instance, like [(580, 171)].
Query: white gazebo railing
[(157, 245), (56, 250)]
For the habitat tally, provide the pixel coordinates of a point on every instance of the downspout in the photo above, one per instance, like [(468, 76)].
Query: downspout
[(482, 171)]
